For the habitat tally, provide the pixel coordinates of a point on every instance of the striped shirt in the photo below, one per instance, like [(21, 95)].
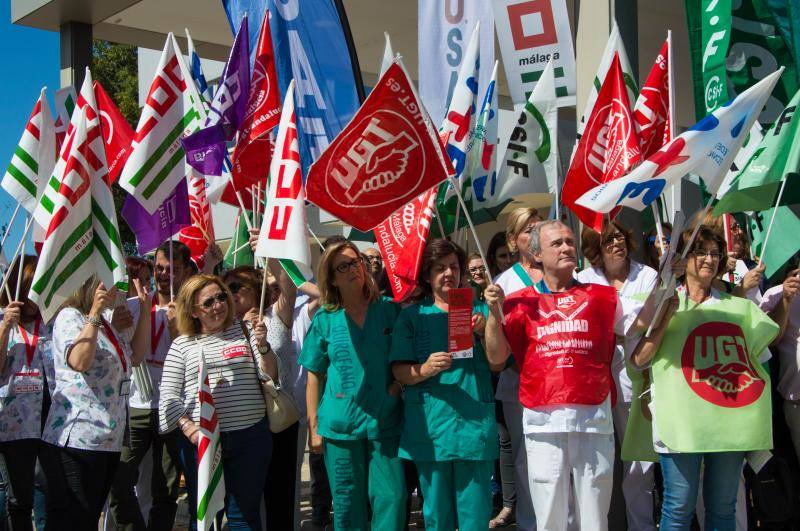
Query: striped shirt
[(231, 372)]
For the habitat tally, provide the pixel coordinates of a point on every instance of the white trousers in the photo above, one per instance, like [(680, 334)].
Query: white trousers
[(638, 479), (589, 459), (526, 520)]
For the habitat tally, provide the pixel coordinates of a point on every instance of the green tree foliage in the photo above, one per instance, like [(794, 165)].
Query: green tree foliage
[(115, 66)]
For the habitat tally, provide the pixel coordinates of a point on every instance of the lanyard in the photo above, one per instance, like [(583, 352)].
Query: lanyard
[(155, 336), (522, 274), (117, 347), (30, 346)]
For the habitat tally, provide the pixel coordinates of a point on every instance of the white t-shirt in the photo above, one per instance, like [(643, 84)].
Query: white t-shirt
[(789, 346), (639, 284), (302, 321), (154, 358), (510, 280)]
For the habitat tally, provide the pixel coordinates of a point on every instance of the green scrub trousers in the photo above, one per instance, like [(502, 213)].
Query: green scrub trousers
[(455, 494)]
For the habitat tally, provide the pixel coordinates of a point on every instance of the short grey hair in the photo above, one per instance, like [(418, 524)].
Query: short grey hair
[(536, 232)]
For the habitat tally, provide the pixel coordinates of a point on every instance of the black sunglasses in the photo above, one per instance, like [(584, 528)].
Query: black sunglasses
[(235, 287), (209, 302)]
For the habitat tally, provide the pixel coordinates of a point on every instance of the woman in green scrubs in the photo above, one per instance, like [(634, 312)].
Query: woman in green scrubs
[(449, 431), (357, 422)]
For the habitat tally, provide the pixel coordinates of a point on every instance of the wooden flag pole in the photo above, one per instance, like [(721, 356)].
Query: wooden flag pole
[(20, 247), (21, 264), (771, 222), (263, 295), (10, 224), (322, 247)]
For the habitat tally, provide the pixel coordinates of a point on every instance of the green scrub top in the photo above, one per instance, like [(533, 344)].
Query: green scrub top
[(355, 404), (450, 416)]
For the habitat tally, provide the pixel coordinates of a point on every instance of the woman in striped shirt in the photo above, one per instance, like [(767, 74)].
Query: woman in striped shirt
[(231, 350)]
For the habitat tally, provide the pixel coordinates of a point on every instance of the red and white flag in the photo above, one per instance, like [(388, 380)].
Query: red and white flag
[(200, 233), (387, 155), (253, 148), (401, 240), (210, 477), (284, 228), (117, 132), (608, 148), (651, 112)]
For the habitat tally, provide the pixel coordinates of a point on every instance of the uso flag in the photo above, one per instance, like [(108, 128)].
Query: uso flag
[(386, 156)]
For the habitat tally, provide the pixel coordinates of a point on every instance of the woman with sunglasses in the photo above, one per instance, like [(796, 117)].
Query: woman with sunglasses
[(357, 421), (449, 429), (235, 354), (710, 396), (609, 252), (244, 282)]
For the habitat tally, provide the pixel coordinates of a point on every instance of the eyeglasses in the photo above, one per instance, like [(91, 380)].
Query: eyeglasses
[(478, 269), (374, 258), (616, 237), (220, 297), (713, 255), (652, 239), (344, 267), (235, 287)]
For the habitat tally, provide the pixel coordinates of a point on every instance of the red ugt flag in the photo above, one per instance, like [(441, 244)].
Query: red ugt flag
[(608, 148), (401, 239), (117, 132), (651, 112), (387, 155)]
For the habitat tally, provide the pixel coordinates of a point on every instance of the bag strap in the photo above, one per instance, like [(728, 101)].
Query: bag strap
[(261, 375)]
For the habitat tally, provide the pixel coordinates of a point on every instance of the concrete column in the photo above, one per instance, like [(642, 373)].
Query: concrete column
[(627, 14), (76, 52)]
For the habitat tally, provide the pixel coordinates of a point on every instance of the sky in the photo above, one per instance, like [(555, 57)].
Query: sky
[(29, 60)]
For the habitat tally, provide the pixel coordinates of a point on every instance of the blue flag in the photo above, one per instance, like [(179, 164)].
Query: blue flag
[(311, 46)]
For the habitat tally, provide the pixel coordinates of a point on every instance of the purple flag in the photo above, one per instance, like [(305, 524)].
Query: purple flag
[(226, 112), (152, 229)]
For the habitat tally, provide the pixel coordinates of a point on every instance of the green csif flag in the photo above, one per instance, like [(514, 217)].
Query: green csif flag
[(239, 253), (709, 24), (776, 158), (783, 241), (758, 48)]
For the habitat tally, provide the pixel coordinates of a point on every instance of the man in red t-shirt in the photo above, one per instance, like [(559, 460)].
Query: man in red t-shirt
[(562, 335)]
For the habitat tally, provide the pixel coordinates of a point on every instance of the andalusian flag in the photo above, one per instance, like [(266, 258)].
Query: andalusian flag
[(82, 238), (34, 157), (283, 232), (239, 253), (614, 45), (210, 478), (173, 109)]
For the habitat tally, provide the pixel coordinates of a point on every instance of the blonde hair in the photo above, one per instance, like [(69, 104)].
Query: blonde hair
[(83, 297), (329, 295), (188, 325), (518, 219)]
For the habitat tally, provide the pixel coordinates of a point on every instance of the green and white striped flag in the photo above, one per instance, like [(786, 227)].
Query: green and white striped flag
[(613, 45), (34, 158), (173, 109), (82, 238), (48, 197)]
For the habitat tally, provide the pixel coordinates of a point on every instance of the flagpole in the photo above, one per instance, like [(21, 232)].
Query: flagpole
[(771, 222), (16, 253), (235, 240), (675, 189), (22, 264), (263, 294), (10, 224), (439, 220), (171, 289), (475, 237), (322, 247)]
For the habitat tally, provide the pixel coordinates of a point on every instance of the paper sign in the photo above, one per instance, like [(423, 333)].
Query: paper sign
[(459, 323)]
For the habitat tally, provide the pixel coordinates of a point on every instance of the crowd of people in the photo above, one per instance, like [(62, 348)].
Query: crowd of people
[(563, 382)]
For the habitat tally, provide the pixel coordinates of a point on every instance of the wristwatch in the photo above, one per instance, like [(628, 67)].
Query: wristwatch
[(94, 321)]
